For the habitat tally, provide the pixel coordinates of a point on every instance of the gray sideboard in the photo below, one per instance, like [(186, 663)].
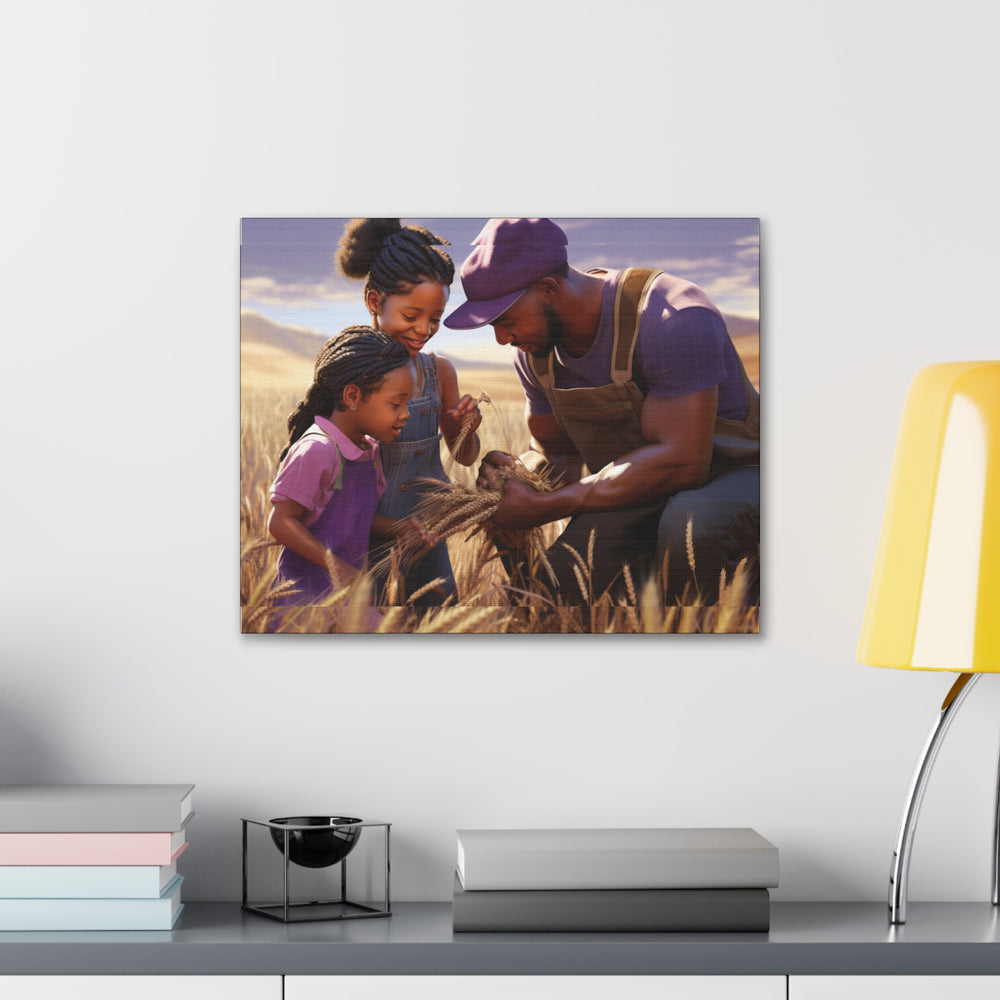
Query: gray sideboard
[(811, 939)]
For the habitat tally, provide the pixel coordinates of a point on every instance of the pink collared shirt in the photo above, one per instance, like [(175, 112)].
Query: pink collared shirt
[(309, 472)]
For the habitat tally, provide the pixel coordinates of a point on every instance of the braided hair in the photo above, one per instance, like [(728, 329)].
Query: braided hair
[(391, 257), (357, 356)]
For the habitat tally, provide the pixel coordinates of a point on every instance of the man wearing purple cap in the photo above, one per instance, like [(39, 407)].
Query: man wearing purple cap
[(636, 396)]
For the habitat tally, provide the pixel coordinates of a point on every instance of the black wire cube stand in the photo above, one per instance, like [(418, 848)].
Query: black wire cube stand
[(286, 836)]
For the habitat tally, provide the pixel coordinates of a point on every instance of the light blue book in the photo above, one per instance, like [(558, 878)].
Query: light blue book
[(94, 914), (85, 881)]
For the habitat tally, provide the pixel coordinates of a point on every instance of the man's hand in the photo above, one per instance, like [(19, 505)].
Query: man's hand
[(490, 475), (522, 507)]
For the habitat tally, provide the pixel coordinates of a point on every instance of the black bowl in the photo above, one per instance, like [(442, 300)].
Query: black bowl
[(330, 840)]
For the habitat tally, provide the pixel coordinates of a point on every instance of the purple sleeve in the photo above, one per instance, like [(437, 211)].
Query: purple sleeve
[(538, 402), (683, 355), (307, 474)]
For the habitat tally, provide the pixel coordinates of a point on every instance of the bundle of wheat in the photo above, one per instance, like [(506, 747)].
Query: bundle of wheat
[(451, 508)]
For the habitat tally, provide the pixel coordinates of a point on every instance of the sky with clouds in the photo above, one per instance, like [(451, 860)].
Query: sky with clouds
[(287, 270)]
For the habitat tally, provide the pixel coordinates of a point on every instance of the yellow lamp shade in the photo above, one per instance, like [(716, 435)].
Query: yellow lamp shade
[(934, 602)]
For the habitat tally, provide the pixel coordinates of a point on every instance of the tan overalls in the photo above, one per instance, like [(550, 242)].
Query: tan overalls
[(604, 423)]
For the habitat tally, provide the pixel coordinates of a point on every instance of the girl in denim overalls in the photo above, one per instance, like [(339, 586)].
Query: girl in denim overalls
[(407, 280)]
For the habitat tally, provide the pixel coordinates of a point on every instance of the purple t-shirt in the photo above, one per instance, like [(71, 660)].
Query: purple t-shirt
[(308, 474), (676, 353)]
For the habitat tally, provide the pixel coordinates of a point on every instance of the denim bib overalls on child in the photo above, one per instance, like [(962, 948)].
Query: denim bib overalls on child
[(416, 455)]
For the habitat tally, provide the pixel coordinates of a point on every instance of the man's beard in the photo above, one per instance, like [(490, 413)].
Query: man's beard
[(556, 331)]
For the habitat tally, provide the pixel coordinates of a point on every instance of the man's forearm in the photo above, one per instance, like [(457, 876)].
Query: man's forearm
[(642, 477), (678, 458), (561, 468)]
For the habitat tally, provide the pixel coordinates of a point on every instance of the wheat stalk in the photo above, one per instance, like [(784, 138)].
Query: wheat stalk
[(467, 620), (456, 445), (629, 585)]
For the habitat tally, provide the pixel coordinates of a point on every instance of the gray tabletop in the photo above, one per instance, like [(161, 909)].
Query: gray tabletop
[(805, 939)]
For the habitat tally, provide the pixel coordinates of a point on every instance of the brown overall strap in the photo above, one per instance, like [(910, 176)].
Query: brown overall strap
[(630, 297), (542, 367), (629, 301)]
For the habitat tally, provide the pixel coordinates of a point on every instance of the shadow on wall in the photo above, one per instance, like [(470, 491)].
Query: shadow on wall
[(25, 757)]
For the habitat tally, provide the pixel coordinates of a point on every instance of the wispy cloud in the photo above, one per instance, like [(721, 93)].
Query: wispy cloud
[(734, 293), (730, 280), (748, 250), (294, 294)]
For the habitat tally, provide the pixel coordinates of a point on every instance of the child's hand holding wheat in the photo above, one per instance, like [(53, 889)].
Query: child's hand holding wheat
[(459, 424), (464, 414), (412, 534)]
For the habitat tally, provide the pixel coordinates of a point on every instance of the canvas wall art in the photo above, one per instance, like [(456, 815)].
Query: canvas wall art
[(500, 426)]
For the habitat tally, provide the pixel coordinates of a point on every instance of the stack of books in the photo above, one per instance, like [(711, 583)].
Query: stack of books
[(91, 857), (687, 880)]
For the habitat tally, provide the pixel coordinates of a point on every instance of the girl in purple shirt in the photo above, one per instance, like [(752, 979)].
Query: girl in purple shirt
[(330, 477)]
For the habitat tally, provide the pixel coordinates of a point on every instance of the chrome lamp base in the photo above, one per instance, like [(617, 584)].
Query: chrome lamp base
[(899, 872)]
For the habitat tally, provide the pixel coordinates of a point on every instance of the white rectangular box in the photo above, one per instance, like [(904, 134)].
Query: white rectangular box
[(682, 858)]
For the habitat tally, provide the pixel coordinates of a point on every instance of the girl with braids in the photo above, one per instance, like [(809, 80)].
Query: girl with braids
[(330, 477), (407, 281)]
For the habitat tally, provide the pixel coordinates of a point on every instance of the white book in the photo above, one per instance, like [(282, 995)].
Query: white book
[(94, 808), (85, 881), (680, 858)]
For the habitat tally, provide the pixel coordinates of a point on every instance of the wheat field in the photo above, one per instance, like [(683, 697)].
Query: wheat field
[(486, 603)]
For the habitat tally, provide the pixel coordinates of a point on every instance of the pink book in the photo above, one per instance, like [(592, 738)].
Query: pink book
[(91, 848)]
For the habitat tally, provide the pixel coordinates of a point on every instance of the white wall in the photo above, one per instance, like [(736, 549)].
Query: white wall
[(863, 134)]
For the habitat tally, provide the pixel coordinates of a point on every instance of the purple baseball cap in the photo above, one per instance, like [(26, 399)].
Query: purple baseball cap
[(510, 256)]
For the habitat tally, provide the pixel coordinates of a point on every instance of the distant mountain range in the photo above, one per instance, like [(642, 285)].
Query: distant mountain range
[(256, 329), (740, 326)]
